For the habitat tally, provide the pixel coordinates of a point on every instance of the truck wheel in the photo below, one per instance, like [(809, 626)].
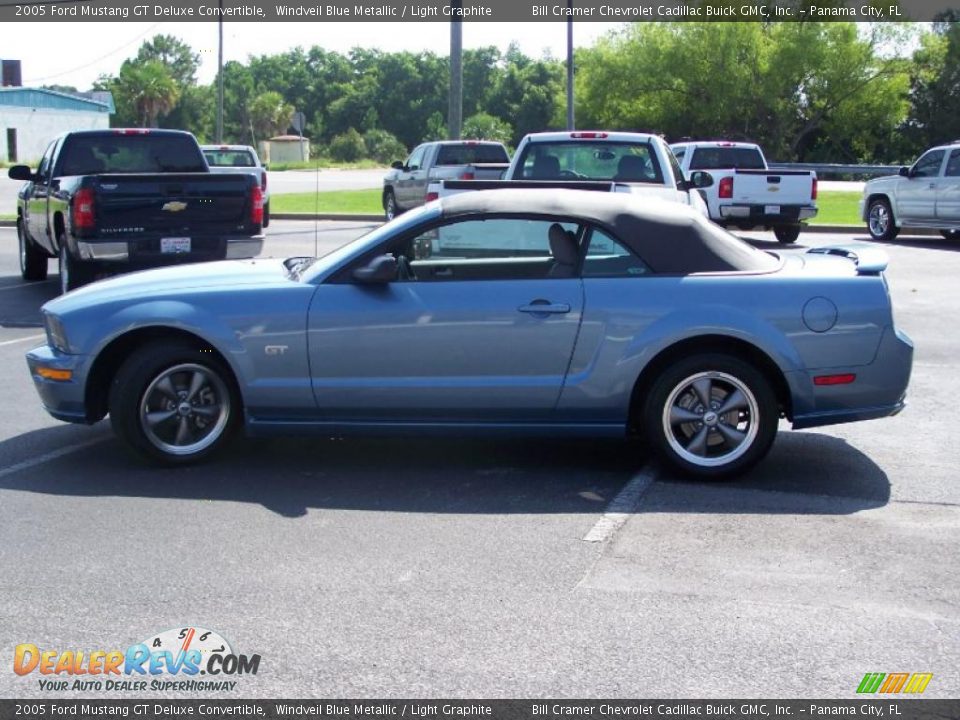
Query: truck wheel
[(786, 234), (880, 223), (950, 234), (33, 261), (173, 404), (73, 274), (390, 207), (710, 416), (266, 215)]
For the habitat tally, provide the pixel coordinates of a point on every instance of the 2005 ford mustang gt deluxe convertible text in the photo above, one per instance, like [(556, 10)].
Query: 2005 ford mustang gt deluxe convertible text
[(555, 312)]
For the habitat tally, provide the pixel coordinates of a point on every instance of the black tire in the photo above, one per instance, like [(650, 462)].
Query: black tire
[(950, 234), (390, 207), (880, 223), (266, 215), (73, 274), (786, 234), (695, 437), (33, 260), (188, 434)]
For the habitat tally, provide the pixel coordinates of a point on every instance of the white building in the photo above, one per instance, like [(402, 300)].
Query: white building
[(30, 118)]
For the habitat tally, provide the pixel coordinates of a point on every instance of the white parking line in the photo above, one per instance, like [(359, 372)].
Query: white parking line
[(53, 455), (20, 340), (621, 507)]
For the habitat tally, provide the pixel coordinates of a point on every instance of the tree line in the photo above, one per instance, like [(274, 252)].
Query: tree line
[(806, 91)]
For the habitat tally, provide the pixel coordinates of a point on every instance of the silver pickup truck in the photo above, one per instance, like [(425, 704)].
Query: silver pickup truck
[(405, 186)]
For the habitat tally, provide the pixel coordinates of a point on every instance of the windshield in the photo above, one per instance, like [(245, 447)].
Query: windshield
[(722, 158), (634, 162), (312, 271)]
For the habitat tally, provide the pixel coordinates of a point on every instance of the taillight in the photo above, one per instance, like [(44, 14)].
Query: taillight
[(467, 175), (84, 215), (588, 135), (132, 131), (263, 181), (725, 188), (813, 190), (431, 196), (844, 379), (256, 205)]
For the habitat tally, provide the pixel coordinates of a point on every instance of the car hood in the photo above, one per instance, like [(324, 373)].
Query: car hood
[(174, 280)]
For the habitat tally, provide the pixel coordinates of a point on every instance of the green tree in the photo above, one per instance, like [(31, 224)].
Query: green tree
[(487, 127), (148, 89), (269, 114), (935, 98), (178, 57)]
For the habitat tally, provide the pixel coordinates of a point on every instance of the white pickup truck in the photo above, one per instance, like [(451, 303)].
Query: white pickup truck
[(745, 192), (638, 163), (926, 195)]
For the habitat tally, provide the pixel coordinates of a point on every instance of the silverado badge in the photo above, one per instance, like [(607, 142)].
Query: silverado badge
[(174, 206)]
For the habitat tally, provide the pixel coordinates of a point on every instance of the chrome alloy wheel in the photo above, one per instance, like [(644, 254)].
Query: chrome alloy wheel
[(185, 409), (878, 219), (710, 419)]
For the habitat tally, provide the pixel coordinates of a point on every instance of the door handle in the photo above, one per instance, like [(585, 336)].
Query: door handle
[(545, 307)]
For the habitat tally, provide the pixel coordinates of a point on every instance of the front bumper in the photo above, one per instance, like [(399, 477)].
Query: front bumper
[(63, 399)]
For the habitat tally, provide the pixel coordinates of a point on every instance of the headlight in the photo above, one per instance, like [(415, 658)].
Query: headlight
[(56, 335)]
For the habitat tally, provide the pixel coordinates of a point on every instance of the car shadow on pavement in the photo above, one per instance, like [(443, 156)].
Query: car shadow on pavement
[(805, 473), (925, 242), (20, 305)]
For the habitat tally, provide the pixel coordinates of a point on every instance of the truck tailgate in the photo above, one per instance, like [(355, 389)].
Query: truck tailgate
[(768, 187), (172, 204)]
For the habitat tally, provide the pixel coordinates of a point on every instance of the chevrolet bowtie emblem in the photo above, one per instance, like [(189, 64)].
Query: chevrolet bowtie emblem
[(174, 206)]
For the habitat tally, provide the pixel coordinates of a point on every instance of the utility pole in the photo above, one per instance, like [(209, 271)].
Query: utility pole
[(455, 110), (570, 122), (220, 77)]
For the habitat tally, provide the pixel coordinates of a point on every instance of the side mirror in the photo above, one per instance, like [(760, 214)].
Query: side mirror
[(904, 172), (701, 179), (20, 172), (381, 269), (266, 167), (397, 164)]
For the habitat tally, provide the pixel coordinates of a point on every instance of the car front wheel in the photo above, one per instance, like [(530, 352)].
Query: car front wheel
[(711, 416), (174, 404), (33, 261), (880, 223)]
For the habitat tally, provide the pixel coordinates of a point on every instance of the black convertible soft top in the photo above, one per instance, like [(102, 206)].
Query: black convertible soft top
[(671, 238)]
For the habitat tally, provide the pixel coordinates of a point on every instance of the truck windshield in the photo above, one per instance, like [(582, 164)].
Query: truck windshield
[(119, 153), (722, 158), (634, 162), (470, 153)]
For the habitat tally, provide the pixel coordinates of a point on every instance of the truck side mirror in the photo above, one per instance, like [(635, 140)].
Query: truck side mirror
[(381, 269), (905, 171), (701, 179), (397, 164), (20, 172)]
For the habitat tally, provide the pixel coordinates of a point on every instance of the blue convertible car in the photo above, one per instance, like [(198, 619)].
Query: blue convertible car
[(508, 311)]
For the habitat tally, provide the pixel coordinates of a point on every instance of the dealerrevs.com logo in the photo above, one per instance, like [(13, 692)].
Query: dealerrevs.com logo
[(169, 661)]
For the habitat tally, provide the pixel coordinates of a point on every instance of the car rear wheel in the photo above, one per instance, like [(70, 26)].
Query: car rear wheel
[(786, 234), (880, 223), (33, 261), (711, 416), (173, 404), (390, 208)]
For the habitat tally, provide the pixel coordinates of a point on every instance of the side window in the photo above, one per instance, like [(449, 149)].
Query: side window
[(953, 164), (43, 170), (607, 257), (415, 161), (929, 165), (678, 177), (496, 249)]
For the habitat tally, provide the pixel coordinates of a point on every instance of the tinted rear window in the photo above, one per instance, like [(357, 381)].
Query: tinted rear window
[(470, 154), (117, 153), (229, 158), (722, 158)]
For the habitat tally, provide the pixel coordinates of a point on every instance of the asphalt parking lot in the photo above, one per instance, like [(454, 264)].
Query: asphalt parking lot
[(435, 567)]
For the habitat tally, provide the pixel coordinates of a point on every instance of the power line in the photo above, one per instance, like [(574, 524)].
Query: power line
[(33, 81)]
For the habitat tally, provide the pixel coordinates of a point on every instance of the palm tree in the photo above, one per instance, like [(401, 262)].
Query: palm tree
[(151, 89)]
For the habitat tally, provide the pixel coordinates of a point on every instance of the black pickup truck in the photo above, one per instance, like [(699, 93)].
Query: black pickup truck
[(107, 201)]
